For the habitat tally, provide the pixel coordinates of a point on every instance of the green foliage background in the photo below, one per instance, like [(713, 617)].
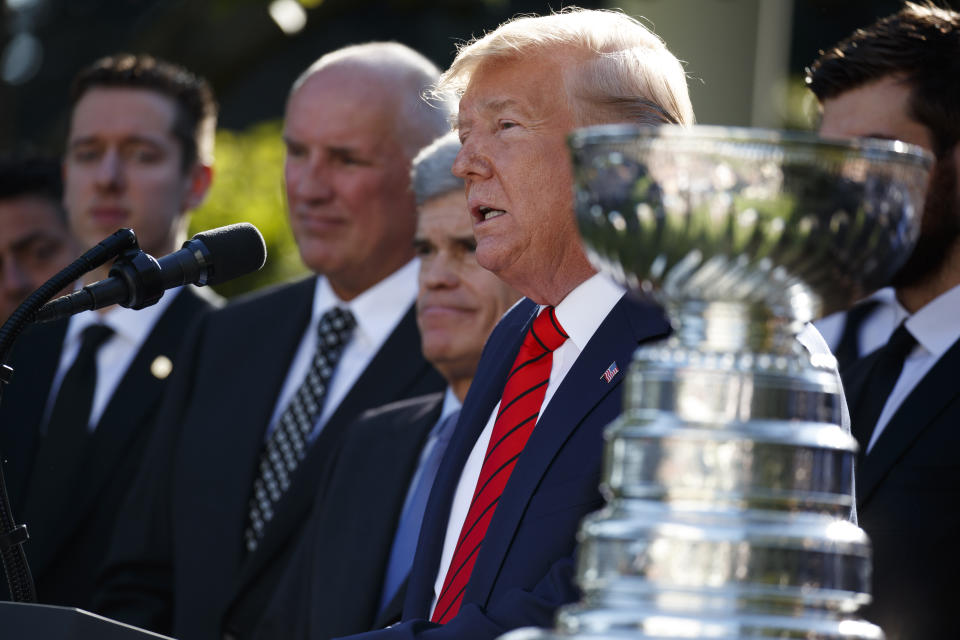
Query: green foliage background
[(248, 187)]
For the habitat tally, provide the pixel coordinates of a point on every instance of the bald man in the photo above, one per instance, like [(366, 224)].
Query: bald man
[(274, 381)]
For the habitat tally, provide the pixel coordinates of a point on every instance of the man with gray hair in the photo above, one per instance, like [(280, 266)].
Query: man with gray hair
[(271, 383), (386, 466), (523, 467)]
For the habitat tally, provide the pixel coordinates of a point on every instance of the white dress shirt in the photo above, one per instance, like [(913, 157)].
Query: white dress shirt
[(131, 328), (876, 328), (377, 311), (580, 314), (936, 329)]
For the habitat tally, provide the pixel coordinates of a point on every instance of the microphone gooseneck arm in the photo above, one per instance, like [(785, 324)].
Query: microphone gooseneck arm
[(12, 536)]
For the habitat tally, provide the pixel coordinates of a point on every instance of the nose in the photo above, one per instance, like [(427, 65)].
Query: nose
[(109, 173), (309, 179), (439, 271), (470, 163)]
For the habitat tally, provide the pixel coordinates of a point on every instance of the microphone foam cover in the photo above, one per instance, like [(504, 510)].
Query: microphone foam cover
[(235, 250)]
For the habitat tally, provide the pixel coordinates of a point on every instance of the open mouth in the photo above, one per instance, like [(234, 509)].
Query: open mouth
[(489, 213)]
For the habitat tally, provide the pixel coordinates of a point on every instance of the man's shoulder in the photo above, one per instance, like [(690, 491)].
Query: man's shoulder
[(279, 296), (407, 408)]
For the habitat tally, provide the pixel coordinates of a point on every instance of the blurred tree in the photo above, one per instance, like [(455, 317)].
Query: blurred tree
[(248, 187)]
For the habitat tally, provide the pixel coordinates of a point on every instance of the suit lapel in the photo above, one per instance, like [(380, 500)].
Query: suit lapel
[(495, 362), (919, 410), (222, 458), (380, 383), (35, 364), (123, 421), (579, 393)]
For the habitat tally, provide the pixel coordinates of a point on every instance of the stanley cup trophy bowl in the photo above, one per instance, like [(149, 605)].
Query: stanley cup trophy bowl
[(728, 477)]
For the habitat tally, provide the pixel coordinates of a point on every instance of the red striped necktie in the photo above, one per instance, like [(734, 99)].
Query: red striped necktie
[(519, 407)]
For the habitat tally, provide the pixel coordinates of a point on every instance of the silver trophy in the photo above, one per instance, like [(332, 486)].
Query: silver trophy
[(728, 478)]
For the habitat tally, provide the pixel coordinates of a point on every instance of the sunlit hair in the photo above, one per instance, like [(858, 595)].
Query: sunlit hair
[(920, 44), (408, 75), (195, 121), (622, 71), (431, 174)]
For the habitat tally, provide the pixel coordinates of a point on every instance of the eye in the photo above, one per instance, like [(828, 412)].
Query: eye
[(422, 248), (295, 149), (507, 124), (146, 154), (84, 154)]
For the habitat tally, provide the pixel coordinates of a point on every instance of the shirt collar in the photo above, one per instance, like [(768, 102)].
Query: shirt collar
[(450, 403), (929, 327), (132, 325), (583, 309), (378, 309)]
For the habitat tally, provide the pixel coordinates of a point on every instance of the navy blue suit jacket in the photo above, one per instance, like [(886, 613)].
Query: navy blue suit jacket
[(524, 569)]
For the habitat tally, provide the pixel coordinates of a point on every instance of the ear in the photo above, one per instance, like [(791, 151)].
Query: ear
[(198, 183)]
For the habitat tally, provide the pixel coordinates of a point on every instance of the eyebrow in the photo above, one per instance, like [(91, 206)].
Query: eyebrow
[(135, 139), (494, 105), (30, 239)]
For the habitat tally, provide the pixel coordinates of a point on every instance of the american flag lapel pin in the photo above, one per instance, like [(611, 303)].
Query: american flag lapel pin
[(611, 371)]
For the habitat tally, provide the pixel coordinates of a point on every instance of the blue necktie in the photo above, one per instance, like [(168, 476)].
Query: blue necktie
[(408, 530)]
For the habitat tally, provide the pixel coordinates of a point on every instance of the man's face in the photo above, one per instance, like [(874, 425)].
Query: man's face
[(34, 246), (881, 109), (513, 121), (459, 301), (123, 168), (347, 179)]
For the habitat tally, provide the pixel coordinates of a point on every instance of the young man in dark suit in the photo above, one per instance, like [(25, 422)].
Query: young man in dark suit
[(273, 381), (523, 466), (350, 570), (82, 404), (899, 79)]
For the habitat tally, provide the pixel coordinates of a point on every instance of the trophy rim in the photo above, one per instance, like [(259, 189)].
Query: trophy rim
[(903, 151)]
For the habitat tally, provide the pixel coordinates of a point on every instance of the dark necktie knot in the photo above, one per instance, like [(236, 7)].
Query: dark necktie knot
[(901, 343), (336, 326), (93, 337)]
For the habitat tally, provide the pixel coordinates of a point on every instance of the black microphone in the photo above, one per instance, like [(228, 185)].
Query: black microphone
[(138, 280)]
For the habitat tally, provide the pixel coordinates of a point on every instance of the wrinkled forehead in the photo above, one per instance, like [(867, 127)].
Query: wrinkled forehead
[(532, 81)]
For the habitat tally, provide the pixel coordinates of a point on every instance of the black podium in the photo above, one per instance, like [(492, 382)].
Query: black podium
[(23, 621)]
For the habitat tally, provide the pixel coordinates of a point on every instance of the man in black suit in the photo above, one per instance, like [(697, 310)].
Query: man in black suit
[(272, 382), (387, 463), (78, 414), (900, 79), (523, 466)]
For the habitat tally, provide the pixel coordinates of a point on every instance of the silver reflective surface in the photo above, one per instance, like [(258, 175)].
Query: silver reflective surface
[(728, 477)]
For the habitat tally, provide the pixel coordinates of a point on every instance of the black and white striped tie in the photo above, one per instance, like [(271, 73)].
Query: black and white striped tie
[(287, 444)]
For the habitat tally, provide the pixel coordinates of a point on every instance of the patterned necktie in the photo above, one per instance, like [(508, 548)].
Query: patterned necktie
[(287, 444), (408, 530), (523, 394), (68, 426), (879, 384)]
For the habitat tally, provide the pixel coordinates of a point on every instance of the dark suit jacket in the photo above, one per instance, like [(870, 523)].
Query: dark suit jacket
[(524, 568), (908, 492), (70, 518), (332, 585), (177, 558)]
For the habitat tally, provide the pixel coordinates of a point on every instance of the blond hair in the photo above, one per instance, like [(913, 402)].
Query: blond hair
[(624, 71)]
